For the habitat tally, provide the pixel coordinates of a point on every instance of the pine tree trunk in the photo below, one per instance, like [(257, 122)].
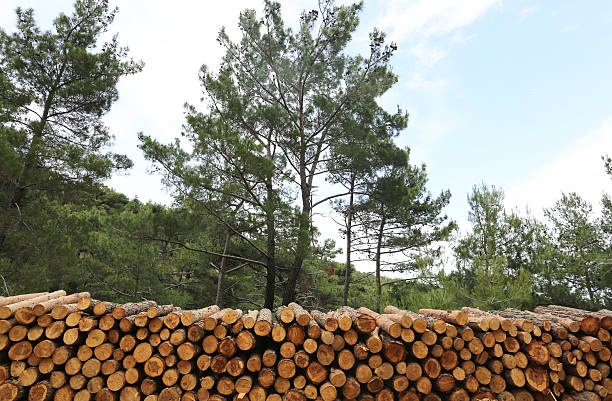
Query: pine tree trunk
[(349, 224), (221, 275), (301, 252), (378, 250), (270, 247)]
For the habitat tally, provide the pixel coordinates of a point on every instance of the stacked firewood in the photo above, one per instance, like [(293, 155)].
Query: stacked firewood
[(55, 346)]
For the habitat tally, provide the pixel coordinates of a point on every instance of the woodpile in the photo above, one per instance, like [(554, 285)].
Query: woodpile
[(55, 346)]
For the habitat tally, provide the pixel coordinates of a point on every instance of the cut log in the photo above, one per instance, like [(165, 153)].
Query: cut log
[(302, 317), (456, 317), (394, 329), (263, 325), (6, 311), (537, 378), (45, 306)]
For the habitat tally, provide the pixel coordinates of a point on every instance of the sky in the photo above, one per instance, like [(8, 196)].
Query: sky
[(516, 94)]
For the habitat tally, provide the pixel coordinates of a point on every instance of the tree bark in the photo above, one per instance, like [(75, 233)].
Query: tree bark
[(349, 224), (221, 274), (303, 245), (378, 250), (270, 247)]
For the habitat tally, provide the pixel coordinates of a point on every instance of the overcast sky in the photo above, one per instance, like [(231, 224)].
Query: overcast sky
[(516, 94)]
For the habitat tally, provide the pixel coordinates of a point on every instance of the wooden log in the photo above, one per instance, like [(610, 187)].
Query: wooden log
[(235, 366), (316, 372), (537, 353), (408, 318), (19, 298), (154, 366), (187, 351), (131, 308), (263, 325), (41, 391), (171, 321), (24, 315), (218, 364), (6, 325), (20, 351), (266, 377), (296, 334), (191, 316), (394, 351), (328, 391), (72, 320), (285, 314), (301, 359), (456, 317), (389, 326), (432, 368), (325, 354), (227, 347), (221, 331), (57, 379), (374, 342), (45, 306), (59, 312), (231, 316), (345, 317), (249, 319), (11, 391), (419, 349), (322, 320), (286, 368), (19, 332), (170, 394), (536, 378), (364, 323), (91, 368), (302, 317), (6, 311), (345, 359), (351, 388)]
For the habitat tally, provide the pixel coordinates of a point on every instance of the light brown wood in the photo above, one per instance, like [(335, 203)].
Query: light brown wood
[(263, 324), (45, 306), (6, 311)]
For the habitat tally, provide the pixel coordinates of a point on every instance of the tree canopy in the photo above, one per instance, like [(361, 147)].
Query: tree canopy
[(290, 124)]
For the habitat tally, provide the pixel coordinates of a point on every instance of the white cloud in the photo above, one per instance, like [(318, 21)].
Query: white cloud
[(527, 11), (579, 169), (428, 55), (417, 80), (427, 18), (429, 29), (569, 27)]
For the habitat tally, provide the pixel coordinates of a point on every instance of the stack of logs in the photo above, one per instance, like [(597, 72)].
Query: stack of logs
[(62, 347)]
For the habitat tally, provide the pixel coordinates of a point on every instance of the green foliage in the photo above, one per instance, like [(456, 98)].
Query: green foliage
[(59, 84), (494, 261), (581, 253), (399, 222), (287, 108), (298, 84), (435, 291)]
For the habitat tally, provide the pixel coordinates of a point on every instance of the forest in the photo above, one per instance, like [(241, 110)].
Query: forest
[(288, 112)]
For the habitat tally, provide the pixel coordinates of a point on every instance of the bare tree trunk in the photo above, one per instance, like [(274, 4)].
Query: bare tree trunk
[(378, 250), (270, 247), (349, 226), (221, 274), (589, 285), (303, 245)]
